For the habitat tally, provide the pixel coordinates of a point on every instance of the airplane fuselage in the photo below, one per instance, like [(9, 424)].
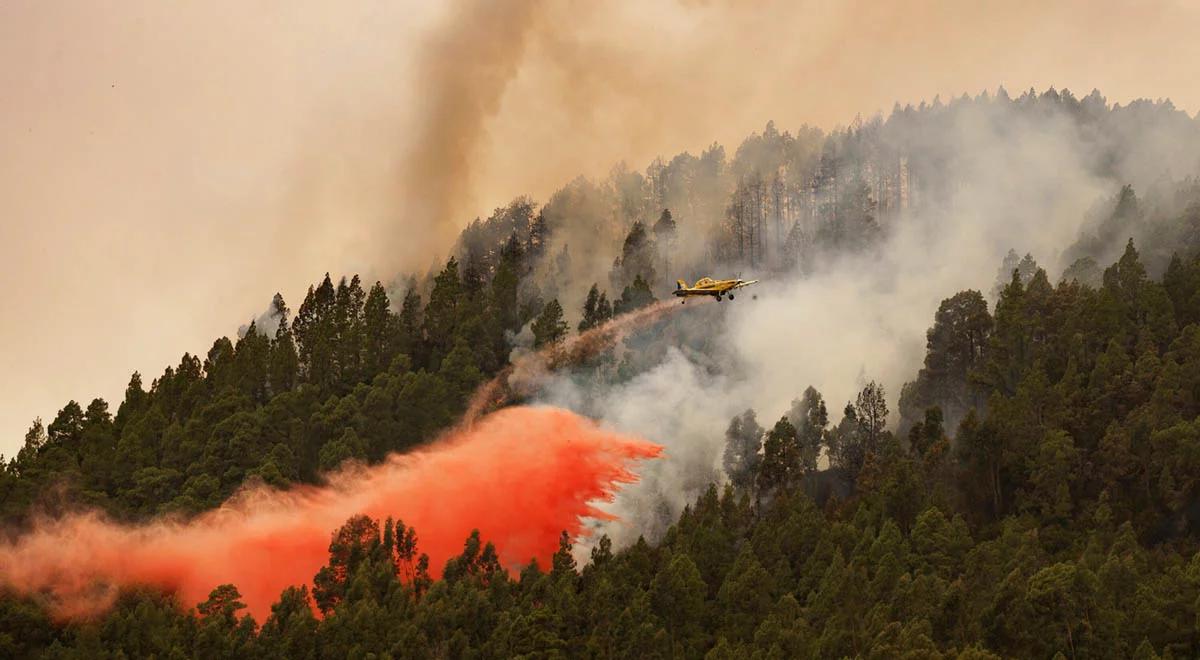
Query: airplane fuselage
[(706, 286)]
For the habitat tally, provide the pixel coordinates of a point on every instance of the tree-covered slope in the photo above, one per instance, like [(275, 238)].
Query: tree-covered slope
[(1039, 495)]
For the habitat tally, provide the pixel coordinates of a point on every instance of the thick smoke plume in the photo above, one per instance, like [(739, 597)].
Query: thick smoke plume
[(464, 69), (997, 179), (520, 476)]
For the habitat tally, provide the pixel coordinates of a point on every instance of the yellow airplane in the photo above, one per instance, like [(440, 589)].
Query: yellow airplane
[(707, 286)]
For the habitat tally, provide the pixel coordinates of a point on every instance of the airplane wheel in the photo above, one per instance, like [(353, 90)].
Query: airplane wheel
[(731, 296)]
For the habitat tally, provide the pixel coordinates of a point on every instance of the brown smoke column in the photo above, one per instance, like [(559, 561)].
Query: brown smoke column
[(464, 72)]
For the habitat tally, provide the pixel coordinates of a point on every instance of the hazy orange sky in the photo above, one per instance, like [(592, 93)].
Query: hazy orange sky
[(166, 167)]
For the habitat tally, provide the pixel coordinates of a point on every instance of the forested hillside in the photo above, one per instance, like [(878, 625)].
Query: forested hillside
[(1031, 491)]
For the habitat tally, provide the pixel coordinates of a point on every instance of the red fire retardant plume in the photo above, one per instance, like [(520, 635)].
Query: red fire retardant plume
[(520, 476)]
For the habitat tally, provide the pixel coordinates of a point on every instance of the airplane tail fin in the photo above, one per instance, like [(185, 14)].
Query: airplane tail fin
[(680, 284)]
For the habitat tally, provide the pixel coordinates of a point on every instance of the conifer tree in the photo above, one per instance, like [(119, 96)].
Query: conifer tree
[(781, 462), (743, 442), (549, 327), (635, 296)]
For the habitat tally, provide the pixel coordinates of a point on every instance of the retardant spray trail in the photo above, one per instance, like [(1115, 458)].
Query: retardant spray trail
[(520, 476), (523, 375)]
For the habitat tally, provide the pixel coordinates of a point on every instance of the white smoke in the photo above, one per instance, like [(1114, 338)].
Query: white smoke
[(678, 405), (1026, 186)]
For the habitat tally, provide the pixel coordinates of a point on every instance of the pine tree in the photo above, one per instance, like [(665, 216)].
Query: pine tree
[(781, 467), (349, 547), (810, 417), (442, 312), (251, 363), (134, 402), (314, 332), (504, 294), (871, 411), (636, 260), (745, 596), (285, 363), (549, 328), (664, 229), (604, 310), (677, 595), (411, 338), (955, 347), (743, 441), (594, 310), (664, 239), (563, 562), (635, 296), (380, 329)]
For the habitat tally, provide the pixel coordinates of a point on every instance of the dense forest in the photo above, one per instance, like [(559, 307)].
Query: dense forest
[(1032, 494)]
